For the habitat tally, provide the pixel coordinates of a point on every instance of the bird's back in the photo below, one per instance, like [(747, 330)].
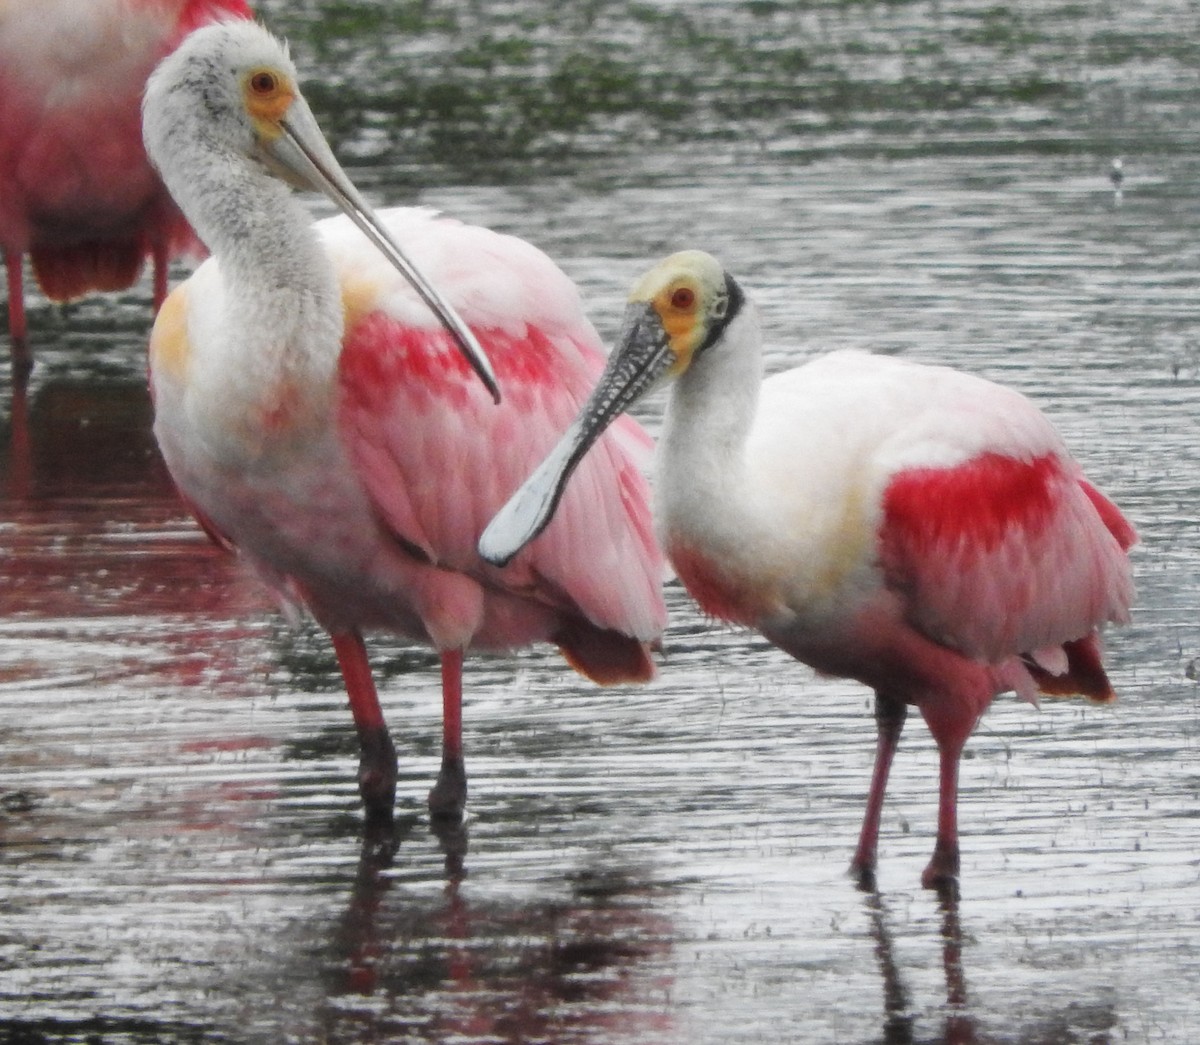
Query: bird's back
[(954, 495), (439, 457)]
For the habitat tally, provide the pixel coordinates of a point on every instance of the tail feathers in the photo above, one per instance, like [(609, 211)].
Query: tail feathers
[(1084, 674), (69, 271), (1120, 527), (606, 657)]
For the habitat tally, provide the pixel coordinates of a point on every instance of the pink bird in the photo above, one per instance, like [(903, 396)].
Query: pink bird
[(317, 416), (77, 193), (918, 529)]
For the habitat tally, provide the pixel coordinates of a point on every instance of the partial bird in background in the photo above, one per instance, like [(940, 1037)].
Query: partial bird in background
[(77, 193)]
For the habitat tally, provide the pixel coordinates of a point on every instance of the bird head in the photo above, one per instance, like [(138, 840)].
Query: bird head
[(233, 88), (676, 312)]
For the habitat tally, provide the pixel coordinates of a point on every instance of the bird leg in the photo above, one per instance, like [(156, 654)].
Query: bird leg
[(890, 714), (22, 359), (160, 262), (448, 798), (377, 769), (942, 870)]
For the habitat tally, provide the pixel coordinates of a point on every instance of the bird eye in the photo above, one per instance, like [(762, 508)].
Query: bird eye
[(263, 83), (683, 298)]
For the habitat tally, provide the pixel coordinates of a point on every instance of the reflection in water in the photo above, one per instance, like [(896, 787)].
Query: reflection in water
[(17, 471), (407, 967), (959, 1027), (959, 1022)]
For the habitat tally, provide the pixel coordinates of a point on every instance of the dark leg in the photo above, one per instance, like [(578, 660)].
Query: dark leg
[(377, 769), (448, 798), (22, 359), (890, 714)]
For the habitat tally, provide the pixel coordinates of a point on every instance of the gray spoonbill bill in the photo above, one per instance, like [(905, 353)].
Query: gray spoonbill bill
[(318, 416), (77, 193), (918, 529)]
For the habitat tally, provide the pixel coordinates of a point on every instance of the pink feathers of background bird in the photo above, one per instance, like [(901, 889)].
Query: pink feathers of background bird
[(77, 193)]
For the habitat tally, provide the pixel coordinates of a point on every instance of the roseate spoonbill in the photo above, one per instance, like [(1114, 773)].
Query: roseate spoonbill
[(77, 193), (915, 528), (316, 415)]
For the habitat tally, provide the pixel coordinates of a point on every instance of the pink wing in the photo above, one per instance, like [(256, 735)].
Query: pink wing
[(439, 458), (1001, 555)]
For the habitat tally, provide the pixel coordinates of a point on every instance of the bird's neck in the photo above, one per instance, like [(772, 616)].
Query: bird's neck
[(273, 265), (702, 449), (280, 323)]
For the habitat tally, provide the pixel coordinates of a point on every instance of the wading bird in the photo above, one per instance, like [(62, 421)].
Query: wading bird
[(317, 416), (77, 193), (918, 529)]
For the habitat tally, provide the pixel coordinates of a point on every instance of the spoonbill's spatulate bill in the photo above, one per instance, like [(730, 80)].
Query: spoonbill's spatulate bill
[(319, 417), (918, 529), (77, 193)]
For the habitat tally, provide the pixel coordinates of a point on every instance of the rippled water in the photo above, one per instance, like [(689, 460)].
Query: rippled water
[(179, 831)]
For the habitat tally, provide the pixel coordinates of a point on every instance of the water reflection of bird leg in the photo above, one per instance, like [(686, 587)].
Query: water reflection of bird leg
[(898, 1021), (960, 1028), (20, 446), (469, 1019), (452, 837), (362, 946)]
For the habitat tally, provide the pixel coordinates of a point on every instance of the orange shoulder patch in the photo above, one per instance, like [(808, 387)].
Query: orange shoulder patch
[(169, 347)]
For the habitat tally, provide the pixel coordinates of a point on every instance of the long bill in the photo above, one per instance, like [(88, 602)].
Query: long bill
[(642, 357), (301, 151)]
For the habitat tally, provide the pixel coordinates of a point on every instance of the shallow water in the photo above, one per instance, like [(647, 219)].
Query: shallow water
[(179, 831)]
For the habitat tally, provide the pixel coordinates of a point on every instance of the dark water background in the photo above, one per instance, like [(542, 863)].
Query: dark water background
[(179, 831)]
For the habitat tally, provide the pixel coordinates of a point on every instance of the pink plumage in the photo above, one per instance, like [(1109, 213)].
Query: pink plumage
[(77, 193), (368, 515), (1001, 553)]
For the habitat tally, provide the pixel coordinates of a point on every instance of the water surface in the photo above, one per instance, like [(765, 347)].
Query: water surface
[(179, 832)]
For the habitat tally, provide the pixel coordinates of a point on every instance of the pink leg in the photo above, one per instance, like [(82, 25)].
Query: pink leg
[(377, 755), (448, 798), (161, 262), (22, 360), (890, 714), (942, 871)]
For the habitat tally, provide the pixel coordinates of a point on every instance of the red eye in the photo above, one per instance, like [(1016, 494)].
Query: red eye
[(263, 83), (683, 298)]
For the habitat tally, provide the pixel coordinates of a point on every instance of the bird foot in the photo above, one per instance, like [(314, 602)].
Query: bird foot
[(377, 773), (864, 876), (941, 874), (448, 798)]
